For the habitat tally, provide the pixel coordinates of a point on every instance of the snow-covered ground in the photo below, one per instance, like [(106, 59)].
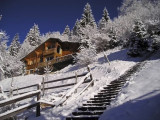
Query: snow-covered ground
[(140, 97), (102, 72)]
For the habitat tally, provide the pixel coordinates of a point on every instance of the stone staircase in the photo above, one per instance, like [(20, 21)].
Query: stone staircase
[(94, 107)]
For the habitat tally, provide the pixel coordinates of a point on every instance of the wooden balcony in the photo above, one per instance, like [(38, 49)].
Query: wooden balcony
[(53, 61), (49, 51), (33, 66)]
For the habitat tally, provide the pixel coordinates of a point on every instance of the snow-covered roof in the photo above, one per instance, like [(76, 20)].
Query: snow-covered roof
[(55, 39)]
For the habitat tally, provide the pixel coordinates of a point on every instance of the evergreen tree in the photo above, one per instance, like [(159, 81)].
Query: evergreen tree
[(34, 36), (138, 41), (66, 31), (77, 29), (104, 20), (87, 17), (113, 39), (15, 46)]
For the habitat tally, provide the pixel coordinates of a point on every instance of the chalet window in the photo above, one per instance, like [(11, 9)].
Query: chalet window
[(58, 49), (49, 58), (41, 59), (50, 47), (31, 71), (31, 63)]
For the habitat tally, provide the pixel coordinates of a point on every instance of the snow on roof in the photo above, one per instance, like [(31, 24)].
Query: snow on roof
[(57, 39)]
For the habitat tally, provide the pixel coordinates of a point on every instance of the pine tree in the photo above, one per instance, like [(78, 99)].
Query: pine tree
[(34, 36), (104, 20), (3, 53), (77, 29), (15, 46), (138, 41), (66, 31), (87, 17), (113, 39)]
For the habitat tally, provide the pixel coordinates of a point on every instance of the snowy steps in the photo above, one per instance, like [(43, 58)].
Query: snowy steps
[(87, 113), (104, 97), (94, 107)]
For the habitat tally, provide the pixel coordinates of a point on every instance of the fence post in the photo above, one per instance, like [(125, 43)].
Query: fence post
[(91, 77), (106, 58), (1, 89), (38, 98), (76, 81), (43, 86)]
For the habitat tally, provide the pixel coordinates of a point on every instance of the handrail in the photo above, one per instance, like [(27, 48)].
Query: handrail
[(90, 84), (71, 91)]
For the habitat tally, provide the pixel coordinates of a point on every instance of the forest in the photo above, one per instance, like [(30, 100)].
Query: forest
[(136, 28)]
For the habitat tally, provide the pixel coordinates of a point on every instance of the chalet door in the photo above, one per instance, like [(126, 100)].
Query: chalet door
[(58, 49)]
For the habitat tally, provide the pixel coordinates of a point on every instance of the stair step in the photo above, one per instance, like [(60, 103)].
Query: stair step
[(83, 118), (110, 88), (118, 81), (97, 104), (105, 94), (98, 101), (110, 91), (87, 113), (102, 98), (91, 108), (113, 86)]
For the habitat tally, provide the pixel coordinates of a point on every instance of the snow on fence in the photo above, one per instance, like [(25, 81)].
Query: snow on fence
[(59, 86), (43, 83), (74, 89), (22, 108)]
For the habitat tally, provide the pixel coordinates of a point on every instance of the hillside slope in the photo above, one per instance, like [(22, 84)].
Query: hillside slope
[(140, 97)]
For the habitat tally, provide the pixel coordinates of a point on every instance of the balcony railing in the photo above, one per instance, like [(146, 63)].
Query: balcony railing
[(49, 51), (53, 61), (31, 66)]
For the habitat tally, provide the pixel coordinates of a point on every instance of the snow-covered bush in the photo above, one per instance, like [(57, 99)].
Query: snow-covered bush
[(102, 42), (86, 56)]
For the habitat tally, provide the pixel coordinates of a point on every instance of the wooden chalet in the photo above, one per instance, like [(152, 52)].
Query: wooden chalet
[(53, 52)]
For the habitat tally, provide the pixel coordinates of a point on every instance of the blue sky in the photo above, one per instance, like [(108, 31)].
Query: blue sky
[(51, 15)]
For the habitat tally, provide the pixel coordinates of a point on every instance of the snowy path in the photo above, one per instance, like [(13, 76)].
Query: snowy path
[(140, 98)]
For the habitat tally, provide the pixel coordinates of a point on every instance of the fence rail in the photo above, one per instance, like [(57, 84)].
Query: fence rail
[(40, 89), (22, 108), (56, 80)]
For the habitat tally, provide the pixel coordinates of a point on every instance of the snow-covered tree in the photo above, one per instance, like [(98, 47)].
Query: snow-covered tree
[(87, 17), (104, 20), (66, 31), (102, 42), (77, 29), (86, 56), (138, 41), (34, 36), (15, 46), (113, 39), (31, 41)]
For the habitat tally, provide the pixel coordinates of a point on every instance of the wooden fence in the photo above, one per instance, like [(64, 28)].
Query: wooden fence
[(42, 89), (51, 81), (22, 108)]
